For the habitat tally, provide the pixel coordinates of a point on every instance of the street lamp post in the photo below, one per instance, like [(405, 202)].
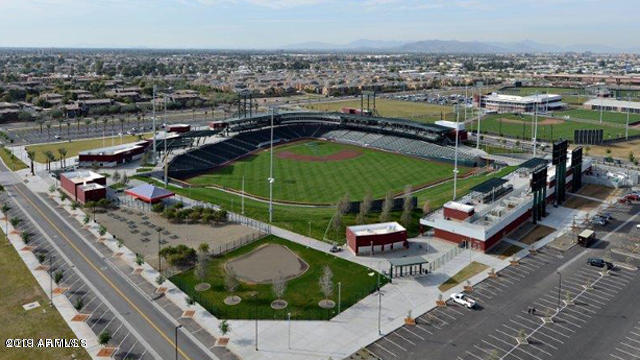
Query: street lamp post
[(159, 257), (289, 321), (255, 307), (176, 339), (339, 295)]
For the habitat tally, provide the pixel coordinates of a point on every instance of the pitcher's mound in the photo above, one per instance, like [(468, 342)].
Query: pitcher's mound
[(265, 264)]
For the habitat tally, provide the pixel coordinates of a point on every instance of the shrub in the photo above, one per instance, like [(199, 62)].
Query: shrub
[(86, 219), (74, 205), (57, 276), (190, 300), (41, 258), (159, 207), (104, 338), (160, 279), (180, 255), (139, 259), (26, 237), (79, 304), (102, 230)]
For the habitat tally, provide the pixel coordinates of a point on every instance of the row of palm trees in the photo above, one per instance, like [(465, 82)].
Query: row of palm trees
[(61, 121), (50, 157)]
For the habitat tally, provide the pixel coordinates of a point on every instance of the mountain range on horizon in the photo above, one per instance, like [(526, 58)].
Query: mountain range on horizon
[(456, 46)]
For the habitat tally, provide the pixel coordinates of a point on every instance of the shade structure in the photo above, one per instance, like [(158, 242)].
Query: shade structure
[(149, 193)]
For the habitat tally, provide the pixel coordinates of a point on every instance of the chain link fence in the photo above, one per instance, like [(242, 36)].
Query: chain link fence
[(445, 258)]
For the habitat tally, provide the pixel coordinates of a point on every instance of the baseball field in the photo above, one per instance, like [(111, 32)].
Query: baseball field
[(322, 172), (520, 126)]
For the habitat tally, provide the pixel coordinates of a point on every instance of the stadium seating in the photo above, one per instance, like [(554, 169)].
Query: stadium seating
[(210, 156)]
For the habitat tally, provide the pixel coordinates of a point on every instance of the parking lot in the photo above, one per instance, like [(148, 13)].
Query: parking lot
[(580, 312)]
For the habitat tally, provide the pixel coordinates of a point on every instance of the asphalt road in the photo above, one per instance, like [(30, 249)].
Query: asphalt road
[(602, 323), (150, 325)]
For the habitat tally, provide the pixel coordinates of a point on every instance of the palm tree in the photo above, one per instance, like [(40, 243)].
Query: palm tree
[(50, 158), (69, 130), (63, 153), (87, 122), (48, 129), (104, 122), (60, 122), (78, 123), (31, 155), (121, 125), (40, 122)]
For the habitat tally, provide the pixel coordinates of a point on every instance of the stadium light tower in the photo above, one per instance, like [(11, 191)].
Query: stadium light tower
[(478, 84), (455, 166), (153, 106), (271, 179), (535, 125)]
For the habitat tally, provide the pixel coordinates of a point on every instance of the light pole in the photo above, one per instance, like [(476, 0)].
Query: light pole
[(159, 257), (271, 179), (176, 339), (166, 182), (255, 308), (455, 167), (559, 287), (289, 321), (339, 295), (154, 123)]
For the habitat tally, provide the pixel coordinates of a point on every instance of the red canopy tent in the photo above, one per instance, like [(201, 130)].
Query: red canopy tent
[(149, 193)]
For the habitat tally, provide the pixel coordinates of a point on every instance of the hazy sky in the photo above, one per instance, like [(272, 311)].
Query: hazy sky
[(273, 23)]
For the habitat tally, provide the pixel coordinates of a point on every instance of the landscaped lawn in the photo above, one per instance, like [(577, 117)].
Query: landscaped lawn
[(326, 182), (311, 221), (12, 162), (607, 116), (17, 288), (520, 126), (76, 146), (422, 112), (463, 275), (303, 293)]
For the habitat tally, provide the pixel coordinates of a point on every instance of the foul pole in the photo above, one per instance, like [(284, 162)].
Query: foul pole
[(455, 162)]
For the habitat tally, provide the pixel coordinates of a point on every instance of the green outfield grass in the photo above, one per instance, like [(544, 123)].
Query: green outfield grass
[(326, 181), (421, 112), (519, 126), (302, 294), (607, 116)]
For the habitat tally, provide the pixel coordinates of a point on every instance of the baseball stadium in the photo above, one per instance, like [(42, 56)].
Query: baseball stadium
[(319, 157)]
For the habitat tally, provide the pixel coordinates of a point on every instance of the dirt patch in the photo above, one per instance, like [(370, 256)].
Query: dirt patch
[(265, 264), (580, 203), (599, 191), (547, 121), (537, 233), (504, 250), (338, 156)]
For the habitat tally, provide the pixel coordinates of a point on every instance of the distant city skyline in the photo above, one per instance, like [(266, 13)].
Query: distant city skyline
[(270, 24)]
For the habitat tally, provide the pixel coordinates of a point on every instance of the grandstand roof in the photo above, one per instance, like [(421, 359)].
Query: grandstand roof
[(533, 163), (489, 185)]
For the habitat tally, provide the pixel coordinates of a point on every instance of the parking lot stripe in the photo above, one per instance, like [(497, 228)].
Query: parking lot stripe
[(411, 332), (398, 346), (502, 341), (630, 346), (445, 314), (494, 346), (628, 353), (634, 340), (385, 350), (617, 357), (402, 337), (454, 310), (474, 355), (526, 352), (418, 326)]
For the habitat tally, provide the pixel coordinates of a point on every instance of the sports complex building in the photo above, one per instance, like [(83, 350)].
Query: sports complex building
[(250, 134), (612, 105), (502, 103), (498, 206)]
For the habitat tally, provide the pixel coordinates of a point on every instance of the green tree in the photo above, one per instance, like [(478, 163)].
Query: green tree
[(104, 338), (63, 153), (31, 155)]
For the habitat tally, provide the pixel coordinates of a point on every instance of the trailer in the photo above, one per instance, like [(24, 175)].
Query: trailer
[(586, 238)]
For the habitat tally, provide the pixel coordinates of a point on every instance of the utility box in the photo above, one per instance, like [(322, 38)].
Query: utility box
[(586, 238)]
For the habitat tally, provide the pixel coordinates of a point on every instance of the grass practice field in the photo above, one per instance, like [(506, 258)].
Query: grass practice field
[(322, 172), (422, 112), (607, 116), (76, 146), (520, 126), (302, 293), (17, 288)]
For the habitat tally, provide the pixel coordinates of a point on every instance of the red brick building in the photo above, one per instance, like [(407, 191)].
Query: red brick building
[(375, 238), (83, 186)]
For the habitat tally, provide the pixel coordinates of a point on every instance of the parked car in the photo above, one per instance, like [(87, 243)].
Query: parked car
[(606, 216), (597, 262), (598, 221), (464, 300), (335, 249)]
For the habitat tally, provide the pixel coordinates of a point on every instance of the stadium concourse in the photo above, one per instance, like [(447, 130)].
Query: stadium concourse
[(249, 134)]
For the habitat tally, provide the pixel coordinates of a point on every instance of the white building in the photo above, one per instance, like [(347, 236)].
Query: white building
[(612, 105), (521, 104)]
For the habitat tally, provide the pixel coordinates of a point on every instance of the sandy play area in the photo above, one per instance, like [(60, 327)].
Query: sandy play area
[(266, 263)]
